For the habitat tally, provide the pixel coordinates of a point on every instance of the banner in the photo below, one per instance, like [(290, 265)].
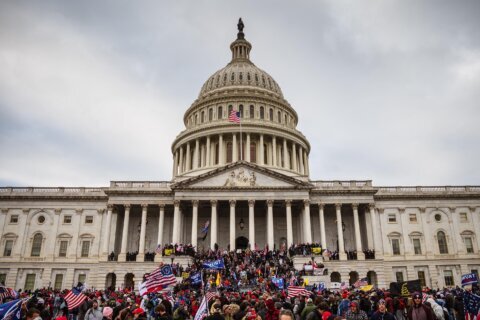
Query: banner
[(317, 250), (278, 282), (215, 264), (11, 310), (196, 278), (308, 267), (168, 252), (470, 278), (318, 271), (405, 288), (185, 275), (335, 285)]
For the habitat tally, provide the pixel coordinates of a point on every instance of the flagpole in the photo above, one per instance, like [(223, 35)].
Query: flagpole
[(241, 144)]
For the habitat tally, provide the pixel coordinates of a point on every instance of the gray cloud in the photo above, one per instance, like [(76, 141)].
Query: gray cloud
[(92, 92)]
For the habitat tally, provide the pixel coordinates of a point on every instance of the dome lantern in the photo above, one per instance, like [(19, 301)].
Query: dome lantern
[(240, 47)]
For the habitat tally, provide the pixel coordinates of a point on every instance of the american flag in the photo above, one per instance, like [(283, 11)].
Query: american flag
[(210, 295), (74, 298), (234, 116), (159, 249), (360, 283), (159, 278), (471, 303), (202, 311), (7, 293), (294, 291)]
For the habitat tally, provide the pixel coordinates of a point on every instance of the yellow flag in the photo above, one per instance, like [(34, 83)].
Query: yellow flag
[(218, 279), (316, 250), (305, 282), (366, 288)]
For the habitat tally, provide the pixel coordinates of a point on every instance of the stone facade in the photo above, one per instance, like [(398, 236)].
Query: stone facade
[(252, 184)]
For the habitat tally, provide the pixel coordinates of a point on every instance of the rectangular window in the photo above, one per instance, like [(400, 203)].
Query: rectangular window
[(475, 271), (421, 277), (67, 219), (7, 252), (85, 248), (469, 245), (396, 247), (88, 219), (413, 217), (29, 282), (14, 218), (417, 247), (3, 278), (82, 278), (399, 276), (448, 275), (463, 217), (63, 248), (58, 281), (392, 218)]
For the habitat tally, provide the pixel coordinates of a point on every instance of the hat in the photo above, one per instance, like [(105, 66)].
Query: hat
[(416, 295), (138, 311), (309, 300), (107, 312), (381, 301), (353, 304)]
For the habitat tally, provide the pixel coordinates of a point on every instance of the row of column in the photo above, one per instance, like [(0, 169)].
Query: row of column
[(294, 158), (307, 235)]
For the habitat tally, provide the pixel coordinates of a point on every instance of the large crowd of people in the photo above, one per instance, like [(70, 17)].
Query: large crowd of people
[(253, 285)]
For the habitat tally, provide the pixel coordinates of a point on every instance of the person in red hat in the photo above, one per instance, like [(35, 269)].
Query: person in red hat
[(355, 313), (139, 314)]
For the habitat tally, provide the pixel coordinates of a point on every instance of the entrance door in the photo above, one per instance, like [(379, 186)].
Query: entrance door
[(241, 243)]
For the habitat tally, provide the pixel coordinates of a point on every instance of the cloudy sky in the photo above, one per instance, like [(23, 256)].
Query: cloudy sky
[(93, 91)]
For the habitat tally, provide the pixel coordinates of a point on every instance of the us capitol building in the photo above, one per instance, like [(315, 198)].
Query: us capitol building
[(253, 187)]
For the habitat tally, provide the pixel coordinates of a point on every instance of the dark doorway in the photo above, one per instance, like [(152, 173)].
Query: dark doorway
[(111, 281), (241, 243)]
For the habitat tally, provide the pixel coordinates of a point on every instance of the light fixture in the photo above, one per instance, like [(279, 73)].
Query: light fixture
[(241, 224)]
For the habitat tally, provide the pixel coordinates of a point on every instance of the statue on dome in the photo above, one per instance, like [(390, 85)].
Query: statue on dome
[(240, 25)]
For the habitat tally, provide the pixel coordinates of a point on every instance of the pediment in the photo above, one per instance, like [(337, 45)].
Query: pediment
[(242, 175)]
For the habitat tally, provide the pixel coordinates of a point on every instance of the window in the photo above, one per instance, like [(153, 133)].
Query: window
[(7, 251), (421, 277), (37, 245), (285, 119), (392, 218), (210, 114), (279, 117), (442, 242), (14, 218), (448, 275), (220, 113), (62, 252), (85, 248), (438, 217), (3, 278), (230, 108), (252, 112), (270, 114), (240, 109), (399, 275), (468, 244), (67, 219), (88, 219), (229, 152), (196, 118), (29, 282), (82, 278), (463, 217), (41, 219), (262, 113), (253, 153), (413, 218), (202, 117), (58, 281), (396, 247), (417, 247)]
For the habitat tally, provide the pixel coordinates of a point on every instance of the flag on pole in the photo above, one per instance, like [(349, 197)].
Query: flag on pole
[(294, 291), (158, 279), (210, 295), (234, 116), (74, 298), (217, 282), (360, 283), (11, 310), (202, 311), (7, 293)]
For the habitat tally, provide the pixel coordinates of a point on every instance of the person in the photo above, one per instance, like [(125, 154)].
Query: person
[(33, 314), (107, 313), (320, 313), (309, 307), (355, 313), (286, 315), (382, 313), (94, 313), (216, 315), (419, 311), (161, 313), (139, 314)]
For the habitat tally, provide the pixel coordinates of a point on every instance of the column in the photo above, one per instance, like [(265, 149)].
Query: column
[(323, 236), (376, 235), (458, 245), (202, 156), (307, 166), (261, 160), (175, 164), (220, 150), (341, 246), (143, 227), (288, 205), (234, 148), (161, 221), (300, 156), (247, 151), (251, 223), (294, 157), (274, 151), (106, 240), (285, 154), (308, 225), (196, 154), (207, 160), (194, 222), (176, 222), (123, 249), (181, 160), (232, 225), (358, 239), (213, 223), (270, 239), (188, 158)]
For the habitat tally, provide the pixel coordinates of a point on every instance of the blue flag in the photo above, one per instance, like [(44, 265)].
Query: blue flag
[(11, 310), (196, 278), (278, 282), (470, 278), (471, 303), (215, 264)]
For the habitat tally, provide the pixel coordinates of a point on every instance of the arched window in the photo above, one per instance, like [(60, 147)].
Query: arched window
[(202, 117), (230, 107), (229, 152), (210, 114), (262, 113), (37, 245), (279, 117), (285, 119), (217, 154), (442, 242), (240, 109), (196, 118), (253, 153), (252, 112), (220, 113), (265, 154), (270, 114)]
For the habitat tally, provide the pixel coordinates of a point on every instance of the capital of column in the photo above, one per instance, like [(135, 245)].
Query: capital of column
[(371, 206), (288, 203), (79, 210), (338, 206), (270, 203), (161, 206), (321, 205), (144, 206), (127, 206), (195, 203), (472, 209), (213, 203), (110, 207), (176, 203), (452, 209), (101, 211), (380, 210), (232, 203), (251, 203), (401, 210), (355, 206), (4, 210), (26, 211), (306, 202), (57, 211)]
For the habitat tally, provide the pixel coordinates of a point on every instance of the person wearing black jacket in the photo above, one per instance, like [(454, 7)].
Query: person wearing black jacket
[(382, 313)]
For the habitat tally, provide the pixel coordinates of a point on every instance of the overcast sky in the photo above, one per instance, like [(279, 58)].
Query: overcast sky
[(93, 91)]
